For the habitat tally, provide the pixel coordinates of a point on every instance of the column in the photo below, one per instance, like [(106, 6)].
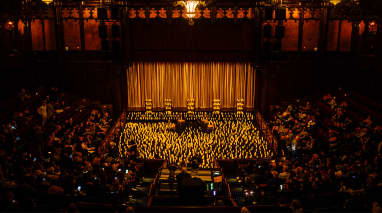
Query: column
[(43, 34), (339, 36), (125, 57), (82, 27), (300, 29), (354, 48), (28, 33), (59, 28), (123, 88), (379, 38), (324, 22), (258, 22), (258, 86)]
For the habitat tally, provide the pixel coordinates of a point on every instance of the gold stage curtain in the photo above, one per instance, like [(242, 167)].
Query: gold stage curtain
[(185, 80)]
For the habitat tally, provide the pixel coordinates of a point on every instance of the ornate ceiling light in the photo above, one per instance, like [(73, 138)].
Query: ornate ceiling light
[(190, 6), (335, 2), (47, 2)]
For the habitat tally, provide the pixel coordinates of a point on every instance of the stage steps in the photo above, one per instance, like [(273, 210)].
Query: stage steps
[(203, 174), (166, 193)]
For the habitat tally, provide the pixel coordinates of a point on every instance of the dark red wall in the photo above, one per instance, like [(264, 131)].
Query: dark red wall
[(177, 40)]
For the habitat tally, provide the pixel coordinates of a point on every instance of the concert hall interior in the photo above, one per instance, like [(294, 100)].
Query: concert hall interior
[(191, 106)]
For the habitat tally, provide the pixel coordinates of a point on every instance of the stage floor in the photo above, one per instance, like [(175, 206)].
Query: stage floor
[(184, 109), (234, 136)]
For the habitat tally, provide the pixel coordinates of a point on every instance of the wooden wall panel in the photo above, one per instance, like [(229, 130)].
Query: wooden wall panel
[(50, 35), (311, 33), (37, 41), (92, 39), (332, 35), (290, 40), (346, 29), (72, 38)]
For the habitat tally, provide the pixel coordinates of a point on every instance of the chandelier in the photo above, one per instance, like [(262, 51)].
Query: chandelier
[(190, 6), (47, 1), (335, 2)]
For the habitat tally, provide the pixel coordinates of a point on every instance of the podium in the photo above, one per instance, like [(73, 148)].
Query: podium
[(190, 106), (216, 106), (149, 105), (240, 106), (168, 105), (207, 125)]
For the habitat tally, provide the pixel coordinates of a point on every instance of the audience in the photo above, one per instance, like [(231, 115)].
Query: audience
[(325, 153), (328, 154), (68, 162)]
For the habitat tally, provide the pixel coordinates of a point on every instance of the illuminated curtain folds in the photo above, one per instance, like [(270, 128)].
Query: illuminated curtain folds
[(181, 81)]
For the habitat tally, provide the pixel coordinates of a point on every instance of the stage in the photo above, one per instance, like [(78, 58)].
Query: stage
[(184, 109), (178, 111), (233, 136)]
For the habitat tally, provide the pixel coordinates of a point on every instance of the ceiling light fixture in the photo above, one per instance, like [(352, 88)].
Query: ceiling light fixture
[(335, 2), (190, 6), (47, 2)]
